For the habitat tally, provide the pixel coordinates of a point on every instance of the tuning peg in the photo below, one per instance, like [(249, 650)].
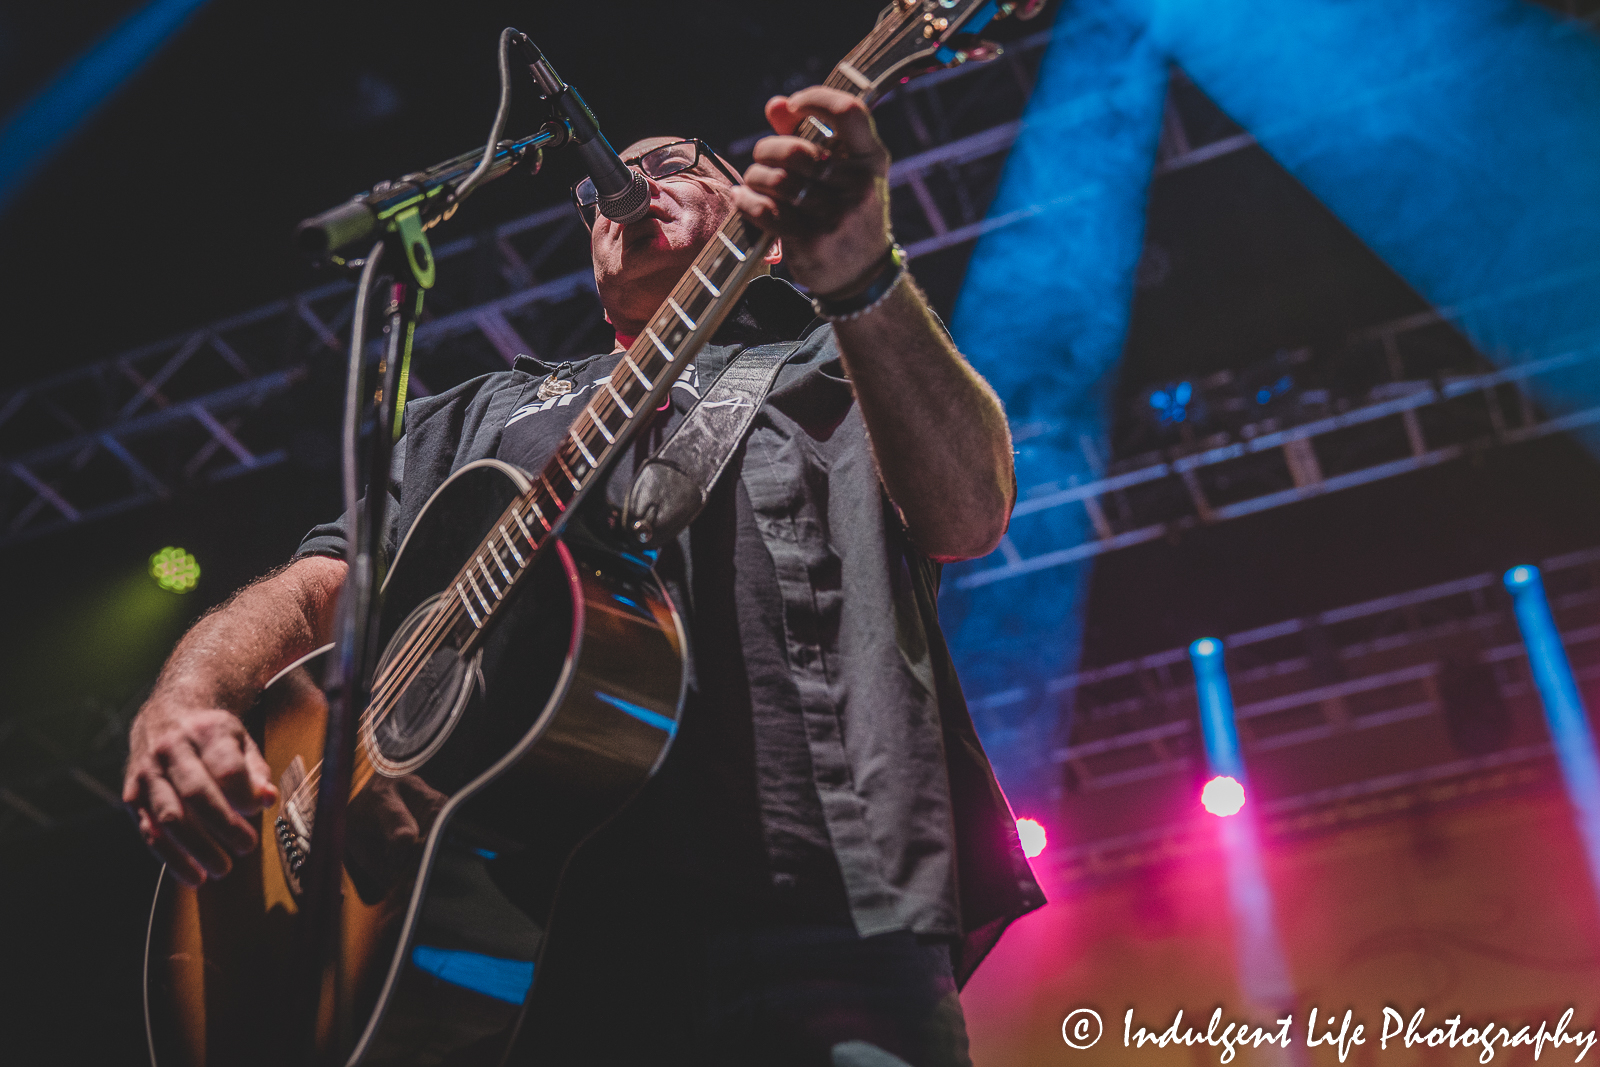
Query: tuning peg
[(967, 48)]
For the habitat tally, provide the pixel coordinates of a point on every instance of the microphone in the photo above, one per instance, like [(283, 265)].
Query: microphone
[(624, 193)]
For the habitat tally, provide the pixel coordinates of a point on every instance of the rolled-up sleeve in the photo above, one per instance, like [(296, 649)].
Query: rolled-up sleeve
[(333, 538)]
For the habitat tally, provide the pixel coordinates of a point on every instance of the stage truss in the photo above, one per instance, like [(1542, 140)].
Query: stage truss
[(1341, 717), (174, 416), (210, 405)]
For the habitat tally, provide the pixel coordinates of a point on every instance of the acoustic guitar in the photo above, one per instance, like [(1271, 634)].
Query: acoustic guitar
[(531, 682)]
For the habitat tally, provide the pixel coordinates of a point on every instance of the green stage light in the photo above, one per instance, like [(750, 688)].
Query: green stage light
[(175, 570)]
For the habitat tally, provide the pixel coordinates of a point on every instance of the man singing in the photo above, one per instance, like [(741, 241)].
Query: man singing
[(825, 853)]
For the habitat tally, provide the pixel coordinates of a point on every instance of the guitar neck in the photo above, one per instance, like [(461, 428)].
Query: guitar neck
[(908, 32), (697, 306)]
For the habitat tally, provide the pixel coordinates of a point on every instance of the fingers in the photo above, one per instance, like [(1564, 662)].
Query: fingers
[(854, 133), (206, 806), (193, 778), (176, 837), (810, 163), (815, 197), (179, 862), (791, 153), (228, 758), (800, 188), (766, 213), (260, 775)]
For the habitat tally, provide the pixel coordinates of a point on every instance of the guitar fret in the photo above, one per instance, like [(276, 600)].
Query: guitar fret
[(733, 248), (488, 579), (666, 352), (478, 593), (621, 403), (600, 424), (560, 504), (820, 128), (861, 80), (684, 315), (473, 615), (534, 507), (710, 288), (637, 373), (511, 546), (576, 485), (579, 442), (498, 562)]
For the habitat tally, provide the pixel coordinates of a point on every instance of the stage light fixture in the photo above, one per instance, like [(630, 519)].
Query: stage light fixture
[(175, 570), (1171, 404), (1033, 837), (1222, 796), (1564, 711)]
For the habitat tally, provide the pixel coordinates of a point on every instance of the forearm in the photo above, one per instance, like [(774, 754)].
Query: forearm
[(228, 657), (937, 430), (195, 778), (938, 433)]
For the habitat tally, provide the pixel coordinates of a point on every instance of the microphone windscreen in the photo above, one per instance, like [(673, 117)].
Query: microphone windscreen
[(630, 205)]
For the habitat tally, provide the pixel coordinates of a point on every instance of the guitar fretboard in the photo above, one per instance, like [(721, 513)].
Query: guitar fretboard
[(909, 31), (613, 413)]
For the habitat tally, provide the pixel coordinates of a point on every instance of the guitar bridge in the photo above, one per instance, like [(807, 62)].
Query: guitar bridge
[(290, 829)]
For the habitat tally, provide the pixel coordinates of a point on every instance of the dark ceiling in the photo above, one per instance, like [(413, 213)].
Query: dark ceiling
[(174, 206), (175, 203)]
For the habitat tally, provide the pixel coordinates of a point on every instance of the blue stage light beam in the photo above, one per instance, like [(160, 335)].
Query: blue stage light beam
[(1263, 970), (1043, 314), (1563, 705), (1459, 139), (44, 123)]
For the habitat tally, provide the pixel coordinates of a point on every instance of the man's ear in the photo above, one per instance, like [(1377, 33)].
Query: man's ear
[(774, 254)]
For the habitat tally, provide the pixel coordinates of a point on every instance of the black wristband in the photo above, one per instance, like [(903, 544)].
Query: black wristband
[(888, 276)]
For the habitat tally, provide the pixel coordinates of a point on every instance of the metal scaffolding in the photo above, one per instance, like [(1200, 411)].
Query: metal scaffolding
[(1406, 426), (188, 411), (1348, 714), (202, 407)]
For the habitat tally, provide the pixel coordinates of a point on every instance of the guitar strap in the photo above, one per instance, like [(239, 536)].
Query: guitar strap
[(674, 483)]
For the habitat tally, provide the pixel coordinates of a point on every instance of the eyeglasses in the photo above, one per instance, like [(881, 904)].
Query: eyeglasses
[(658, 163)]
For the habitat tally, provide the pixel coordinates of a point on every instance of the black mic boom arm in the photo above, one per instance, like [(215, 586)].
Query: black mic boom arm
[(355, 223)]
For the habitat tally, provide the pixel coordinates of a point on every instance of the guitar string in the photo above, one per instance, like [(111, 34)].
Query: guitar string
[(422, 644), (425, 637)]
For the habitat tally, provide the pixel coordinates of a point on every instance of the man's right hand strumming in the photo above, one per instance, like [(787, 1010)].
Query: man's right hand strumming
[(195, 778)]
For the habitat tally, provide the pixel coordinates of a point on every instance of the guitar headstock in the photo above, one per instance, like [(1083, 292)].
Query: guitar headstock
[(916, 36)]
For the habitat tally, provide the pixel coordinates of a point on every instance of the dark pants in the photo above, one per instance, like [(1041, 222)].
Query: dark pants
[(800, 996)]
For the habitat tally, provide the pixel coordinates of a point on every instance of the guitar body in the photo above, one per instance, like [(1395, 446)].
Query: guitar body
[(525, 694), (456, 847)]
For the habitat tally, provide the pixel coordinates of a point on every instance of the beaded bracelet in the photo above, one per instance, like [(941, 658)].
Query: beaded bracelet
[(876, 292)]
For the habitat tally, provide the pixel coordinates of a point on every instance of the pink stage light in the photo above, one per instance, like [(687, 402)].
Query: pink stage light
[(1222, 796), (1033, 837)]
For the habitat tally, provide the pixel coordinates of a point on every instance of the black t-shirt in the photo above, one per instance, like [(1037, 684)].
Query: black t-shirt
[(732, 820)]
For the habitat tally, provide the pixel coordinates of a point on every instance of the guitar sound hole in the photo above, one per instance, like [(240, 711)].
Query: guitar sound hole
[(424, 708), (429, 706)]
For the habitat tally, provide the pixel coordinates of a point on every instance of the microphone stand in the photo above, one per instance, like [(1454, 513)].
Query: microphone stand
[(398, 214)]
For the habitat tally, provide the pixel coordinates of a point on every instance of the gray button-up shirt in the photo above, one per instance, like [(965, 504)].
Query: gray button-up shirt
[(924, 838)]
